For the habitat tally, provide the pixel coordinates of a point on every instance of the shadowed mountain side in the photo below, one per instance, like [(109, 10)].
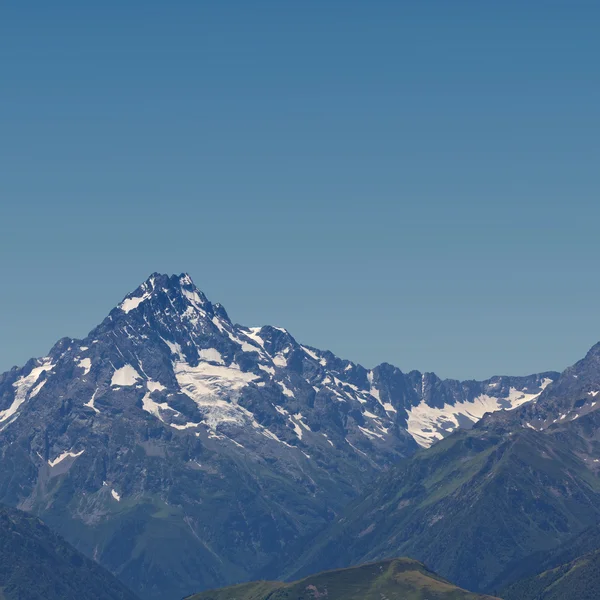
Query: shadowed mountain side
[(575, 580), (37, 564)]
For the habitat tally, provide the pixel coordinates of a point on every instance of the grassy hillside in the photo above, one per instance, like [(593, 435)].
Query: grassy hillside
[(576, 580), (469, 506), (587, 542), (396, 579), (37, 564)]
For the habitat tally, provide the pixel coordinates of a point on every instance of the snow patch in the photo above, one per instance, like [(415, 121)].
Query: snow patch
[(370, 434), (370, 415), (280, 360), (155, 386), (354, 447), (252, 333), (35, 391), (153, 407), (194, 299), (286, 389), (90, 404), (266, 369), (86, 365), (115, 495), (427, 424), (188, 425), (131, 303), (246, 347), (212, 355), (298, 424), (297, 428), (375, 393), (310, 353), (23, 386), (217, 323), (61, 457), (215, 390), (174, 347), (125, 376)]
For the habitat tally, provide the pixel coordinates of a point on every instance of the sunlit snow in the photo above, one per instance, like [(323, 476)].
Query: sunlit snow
[(125, 376), (64, 455), (215, 389), (85, 364), (286, 389), (427, 424), (90, 404), (211, 354), (23, 385), (130, 303)]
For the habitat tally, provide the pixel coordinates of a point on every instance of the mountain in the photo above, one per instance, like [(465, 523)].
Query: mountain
[(396, 579), (182, 451), (576, 580), (574, 394), (586, 542), (37, 564), (481, 501), (568, 571)]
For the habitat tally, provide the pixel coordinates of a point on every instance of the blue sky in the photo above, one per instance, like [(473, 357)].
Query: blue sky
[(410, 182)]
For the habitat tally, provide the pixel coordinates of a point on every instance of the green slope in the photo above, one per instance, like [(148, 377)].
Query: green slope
[(396, 579), (37, 564), (478, 503), (576, 580), (587, 542), (468, 507)]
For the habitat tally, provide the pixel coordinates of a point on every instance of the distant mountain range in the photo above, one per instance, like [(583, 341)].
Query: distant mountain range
[(37, 564), (395, 579), (482, 501), (185, 452)]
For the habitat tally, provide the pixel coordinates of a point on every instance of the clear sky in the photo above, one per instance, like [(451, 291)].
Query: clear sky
[(410, 182)]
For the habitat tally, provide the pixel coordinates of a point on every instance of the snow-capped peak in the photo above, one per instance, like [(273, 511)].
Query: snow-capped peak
[(173, 296)]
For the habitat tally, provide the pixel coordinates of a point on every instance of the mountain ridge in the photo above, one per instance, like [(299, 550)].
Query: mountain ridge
[(399, 578), (183, 451), (576, 580), (518, 483)]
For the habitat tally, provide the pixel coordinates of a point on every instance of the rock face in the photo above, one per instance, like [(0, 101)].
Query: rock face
[(574, 394), (182, 451)]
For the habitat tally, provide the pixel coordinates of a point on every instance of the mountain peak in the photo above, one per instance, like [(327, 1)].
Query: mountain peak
[(172, 285), (167, 405)]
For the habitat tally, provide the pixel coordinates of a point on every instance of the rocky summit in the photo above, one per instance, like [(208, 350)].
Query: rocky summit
[(183, 452)]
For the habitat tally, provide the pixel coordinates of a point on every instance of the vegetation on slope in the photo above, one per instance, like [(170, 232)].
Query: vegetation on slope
[(587, 542), (468, 507), (395, 579), (576, 580)]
